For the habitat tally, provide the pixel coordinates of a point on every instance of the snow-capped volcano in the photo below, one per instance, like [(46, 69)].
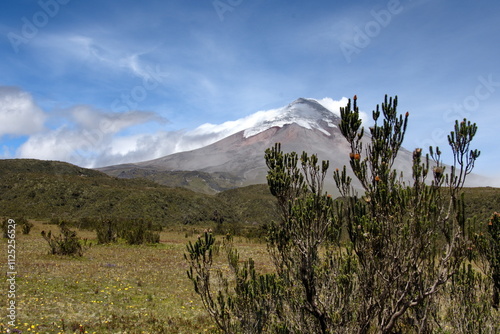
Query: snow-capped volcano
[(238, 156), (233, 154), (307, 113)]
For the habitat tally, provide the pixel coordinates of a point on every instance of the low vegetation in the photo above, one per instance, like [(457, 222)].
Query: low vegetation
[(201, 182), (22, 222), (81, 197), (113, 288), (66, 243)]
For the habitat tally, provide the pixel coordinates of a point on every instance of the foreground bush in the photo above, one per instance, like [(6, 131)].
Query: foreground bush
[(492, 253), (403, 255)]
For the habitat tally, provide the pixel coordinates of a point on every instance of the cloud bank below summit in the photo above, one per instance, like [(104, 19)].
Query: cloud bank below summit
[(90, 137)]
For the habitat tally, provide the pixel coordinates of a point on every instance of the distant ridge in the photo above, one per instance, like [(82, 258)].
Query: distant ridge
[(45, 166)]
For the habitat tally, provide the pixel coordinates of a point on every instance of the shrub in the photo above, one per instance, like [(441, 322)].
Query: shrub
[(255, 300), (469, 295), (139, 232), (493, 256), (5, 228), (25, 225), (66, 243), (106, 231), (405, 239)]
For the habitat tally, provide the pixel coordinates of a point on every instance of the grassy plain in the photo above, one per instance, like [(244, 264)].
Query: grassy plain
[(129, 289), (111, 289)]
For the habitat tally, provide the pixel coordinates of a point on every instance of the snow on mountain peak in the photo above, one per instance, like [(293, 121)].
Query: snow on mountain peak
[(304, 112), (307, 113)]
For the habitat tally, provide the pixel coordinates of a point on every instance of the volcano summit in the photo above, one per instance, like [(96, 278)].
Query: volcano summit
[(238, 159)]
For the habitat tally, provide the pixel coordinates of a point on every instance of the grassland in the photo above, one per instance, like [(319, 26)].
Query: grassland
[(111, 289), (129, 289)]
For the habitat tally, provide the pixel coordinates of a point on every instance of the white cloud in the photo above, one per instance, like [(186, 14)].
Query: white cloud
[(90, 135), (54, 145), (334, 106), (209, 133), (137, 148), (96, 138), (96, 51), (19, 114)]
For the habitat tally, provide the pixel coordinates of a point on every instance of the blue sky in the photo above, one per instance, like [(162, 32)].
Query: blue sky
[(104, 82)]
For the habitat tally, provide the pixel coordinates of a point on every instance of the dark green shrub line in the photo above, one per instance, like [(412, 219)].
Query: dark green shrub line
[(133, 232), (139, 232), (106, 231)]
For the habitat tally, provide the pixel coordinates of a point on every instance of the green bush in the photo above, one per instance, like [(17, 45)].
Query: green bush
[(139, 232), (469, 295), (5, 228), (25, 225), (66, 243), (493, 256), (404, 241), (106, 231)]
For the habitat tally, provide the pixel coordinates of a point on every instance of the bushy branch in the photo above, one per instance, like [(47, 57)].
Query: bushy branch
[(66, 243), (402, 241)]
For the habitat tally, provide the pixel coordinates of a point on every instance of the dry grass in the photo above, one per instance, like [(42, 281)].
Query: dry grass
[(112, 288)]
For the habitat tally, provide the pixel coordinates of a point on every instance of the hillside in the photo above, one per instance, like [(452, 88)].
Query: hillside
[(207, 183), (47, 189)]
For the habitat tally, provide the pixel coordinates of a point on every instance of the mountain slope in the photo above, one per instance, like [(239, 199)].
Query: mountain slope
[(303, 125), (47, 189), (238, 160)]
